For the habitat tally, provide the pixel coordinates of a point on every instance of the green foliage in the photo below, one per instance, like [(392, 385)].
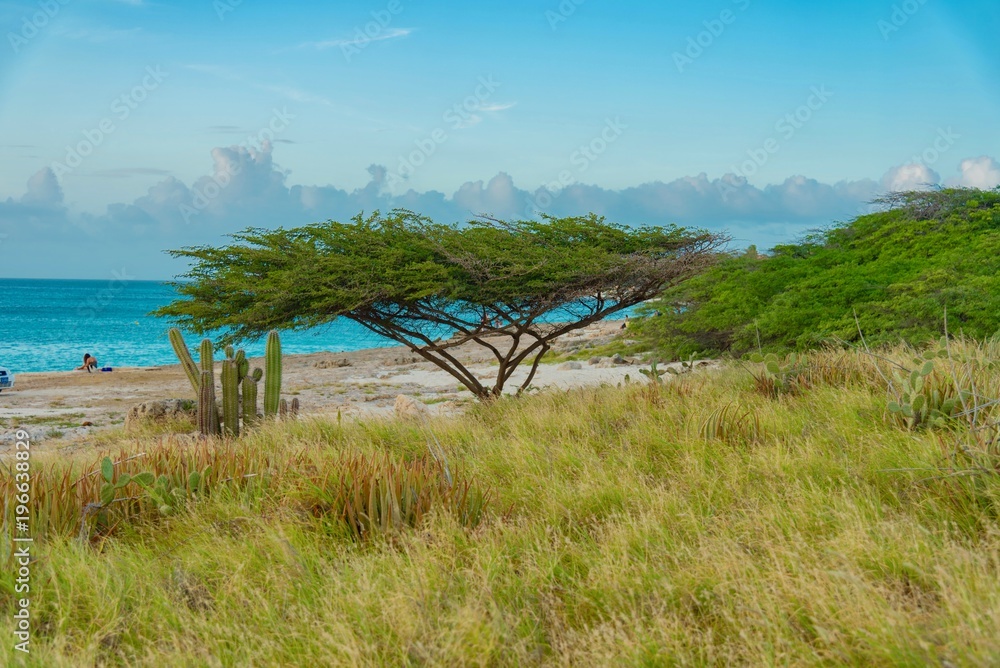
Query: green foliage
[(898, 269), (412, 280)]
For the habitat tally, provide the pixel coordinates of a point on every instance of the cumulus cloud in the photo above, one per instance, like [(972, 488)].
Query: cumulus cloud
[(43, 190), (982, 172), (246, 187), (912, 176)]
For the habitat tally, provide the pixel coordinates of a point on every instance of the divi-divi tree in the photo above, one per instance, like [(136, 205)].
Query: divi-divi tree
[(512, 287)]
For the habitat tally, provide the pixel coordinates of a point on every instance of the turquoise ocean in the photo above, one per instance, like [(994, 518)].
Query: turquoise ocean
[(48, 325)]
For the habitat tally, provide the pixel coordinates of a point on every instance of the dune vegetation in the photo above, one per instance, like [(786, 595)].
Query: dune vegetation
[(787, 512), (891, 275)]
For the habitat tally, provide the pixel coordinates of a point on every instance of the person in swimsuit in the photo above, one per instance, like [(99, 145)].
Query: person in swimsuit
[(89, 363)]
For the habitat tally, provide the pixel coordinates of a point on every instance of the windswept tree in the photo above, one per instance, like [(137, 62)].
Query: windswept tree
[(511, 287)]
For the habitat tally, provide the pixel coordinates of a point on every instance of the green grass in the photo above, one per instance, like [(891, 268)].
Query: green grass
[(617, 534)]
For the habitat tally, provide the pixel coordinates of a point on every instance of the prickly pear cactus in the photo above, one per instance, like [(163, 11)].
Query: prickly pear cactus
[(920, 399), (654, 374)]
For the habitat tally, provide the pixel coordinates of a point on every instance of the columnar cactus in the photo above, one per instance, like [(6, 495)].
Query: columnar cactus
[(207, 356), (239, 385), (230, 399), (208, 411), (272, 375), (249, 386), (184, 355)]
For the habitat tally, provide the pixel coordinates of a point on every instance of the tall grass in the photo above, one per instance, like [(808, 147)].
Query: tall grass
[(696, 523)]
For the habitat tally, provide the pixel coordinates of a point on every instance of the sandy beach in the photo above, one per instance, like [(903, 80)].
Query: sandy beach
[(61, 409)]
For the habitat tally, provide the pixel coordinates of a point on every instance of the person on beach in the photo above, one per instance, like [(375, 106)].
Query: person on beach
[(89, 363)]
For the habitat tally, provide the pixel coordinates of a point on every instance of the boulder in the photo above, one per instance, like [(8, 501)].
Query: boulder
[(408, 408), (160, 411), (332, 364)]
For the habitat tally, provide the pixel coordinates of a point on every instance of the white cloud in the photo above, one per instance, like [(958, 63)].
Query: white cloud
[(498, 106), (247, 188), (912, 176), (982, 172), (43, 189)]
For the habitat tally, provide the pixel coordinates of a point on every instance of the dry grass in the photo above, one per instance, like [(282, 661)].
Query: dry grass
[(624, 529)]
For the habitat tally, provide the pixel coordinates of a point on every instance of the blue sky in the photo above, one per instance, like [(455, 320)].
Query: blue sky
[(201, 118)]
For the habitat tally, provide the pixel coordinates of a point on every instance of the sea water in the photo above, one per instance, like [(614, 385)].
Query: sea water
[(48, 325)]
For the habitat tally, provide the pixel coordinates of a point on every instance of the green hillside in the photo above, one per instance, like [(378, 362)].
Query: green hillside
[(899, 270)]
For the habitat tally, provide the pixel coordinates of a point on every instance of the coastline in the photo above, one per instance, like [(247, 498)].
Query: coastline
[(63, 408)]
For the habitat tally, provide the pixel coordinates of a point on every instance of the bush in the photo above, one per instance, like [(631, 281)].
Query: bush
[(898, 270)]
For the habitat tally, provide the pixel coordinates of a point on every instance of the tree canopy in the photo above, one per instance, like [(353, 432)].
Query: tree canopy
[(510, 286), (898, 269)]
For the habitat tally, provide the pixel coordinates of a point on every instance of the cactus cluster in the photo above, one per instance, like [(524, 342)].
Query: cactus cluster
[(239, 385), (921, 401), (654, 374), (166, 496)]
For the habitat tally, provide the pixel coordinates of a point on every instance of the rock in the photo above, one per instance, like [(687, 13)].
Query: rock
[(332, 364), (87, 423), (159, 411), (594, 361), (570, 366), (408, 408), (618, 359)]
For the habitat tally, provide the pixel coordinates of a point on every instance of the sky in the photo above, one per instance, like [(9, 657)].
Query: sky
[(129, 127)]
